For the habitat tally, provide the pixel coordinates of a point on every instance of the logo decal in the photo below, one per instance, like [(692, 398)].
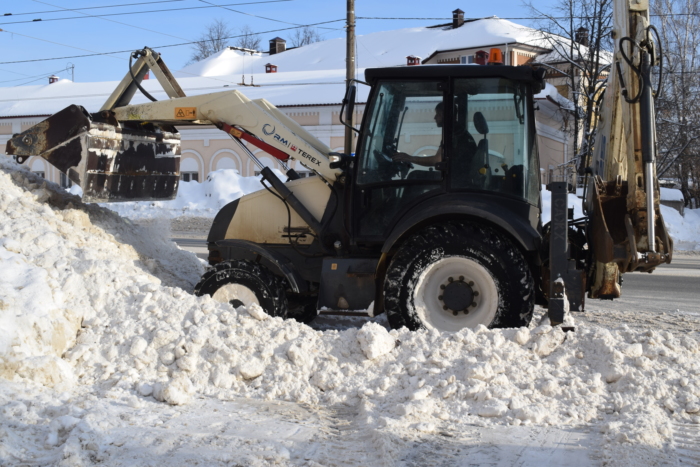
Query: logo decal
[(268, 129)]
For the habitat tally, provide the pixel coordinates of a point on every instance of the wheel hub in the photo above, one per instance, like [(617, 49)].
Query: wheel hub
[(457, 295)]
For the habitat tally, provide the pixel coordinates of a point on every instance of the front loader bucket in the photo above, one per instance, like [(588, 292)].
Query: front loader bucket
[(109, 161)]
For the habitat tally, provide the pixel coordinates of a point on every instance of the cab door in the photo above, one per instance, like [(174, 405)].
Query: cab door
[(402, 120)]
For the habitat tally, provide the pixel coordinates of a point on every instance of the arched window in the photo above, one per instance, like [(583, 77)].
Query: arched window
[(189, 170), (38, 167)]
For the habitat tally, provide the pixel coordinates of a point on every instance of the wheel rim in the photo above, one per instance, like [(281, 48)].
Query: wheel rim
[(236, 295), (469, 281)]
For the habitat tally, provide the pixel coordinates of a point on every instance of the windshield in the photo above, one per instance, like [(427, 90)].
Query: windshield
[(403, 121)]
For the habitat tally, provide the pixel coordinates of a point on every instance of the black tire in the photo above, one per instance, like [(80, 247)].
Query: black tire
[(302, 308), (268, 289), (499, 280)]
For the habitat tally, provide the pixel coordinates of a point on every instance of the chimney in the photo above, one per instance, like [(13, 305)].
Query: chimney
[(412, 60), (582, 36), (457, 18), (53, 79), (481, 57), (270, 68), (277, 45)]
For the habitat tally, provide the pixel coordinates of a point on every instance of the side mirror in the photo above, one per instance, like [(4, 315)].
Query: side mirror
[(348, 106), (350, 99)]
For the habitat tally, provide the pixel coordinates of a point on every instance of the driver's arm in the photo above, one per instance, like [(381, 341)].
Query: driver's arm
[(424, 161)]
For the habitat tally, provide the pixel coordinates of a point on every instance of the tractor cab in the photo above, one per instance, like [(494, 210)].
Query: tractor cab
[(441, 130)]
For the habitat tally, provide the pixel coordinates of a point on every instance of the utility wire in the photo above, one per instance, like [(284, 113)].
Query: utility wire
[(63, 45), (94, 54), (113, 21), (248, 14), (515, 18), (16, 73), (91, 8), (42, 75), (37, 20)]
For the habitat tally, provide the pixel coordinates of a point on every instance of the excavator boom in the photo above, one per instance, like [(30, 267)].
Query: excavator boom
[(626, 232)]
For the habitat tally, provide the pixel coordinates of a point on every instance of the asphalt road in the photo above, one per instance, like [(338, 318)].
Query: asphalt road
[(197, 246), (671, 287), (674, 286)]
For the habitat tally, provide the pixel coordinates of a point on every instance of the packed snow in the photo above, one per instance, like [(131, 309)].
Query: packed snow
[(102, 345)]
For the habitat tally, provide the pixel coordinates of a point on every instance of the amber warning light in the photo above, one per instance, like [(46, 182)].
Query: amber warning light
[(495, 57)]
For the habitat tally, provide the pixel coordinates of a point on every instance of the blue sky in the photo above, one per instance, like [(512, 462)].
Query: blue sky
[(170, 22)]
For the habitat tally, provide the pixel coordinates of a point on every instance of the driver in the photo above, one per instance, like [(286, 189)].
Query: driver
[(461, 139), (428, 161)]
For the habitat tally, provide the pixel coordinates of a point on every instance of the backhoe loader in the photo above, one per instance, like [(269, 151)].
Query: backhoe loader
[(436, 220)]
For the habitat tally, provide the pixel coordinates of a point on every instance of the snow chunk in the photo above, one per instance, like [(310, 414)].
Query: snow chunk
[(177, 391), (257, 312), (138, 345), (375, 340), (493, 408), (547, 342), (252, 368)]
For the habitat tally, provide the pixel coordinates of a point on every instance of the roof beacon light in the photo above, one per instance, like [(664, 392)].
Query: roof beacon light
[(495, 57)]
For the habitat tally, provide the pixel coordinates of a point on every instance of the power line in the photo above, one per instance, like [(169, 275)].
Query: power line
[(58, 43), (248, 14), (518, 18), (91, 8), (157, 47), (116, 22), (37, 20), (42, 75)]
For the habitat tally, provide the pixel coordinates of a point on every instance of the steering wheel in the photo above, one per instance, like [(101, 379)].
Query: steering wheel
[(390, 167)]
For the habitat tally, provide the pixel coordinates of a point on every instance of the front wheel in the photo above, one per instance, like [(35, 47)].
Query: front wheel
[(242, 283), (452, 276)]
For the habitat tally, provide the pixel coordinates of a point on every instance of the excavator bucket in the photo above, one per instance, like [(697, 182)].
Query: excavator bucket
[(111, 162)]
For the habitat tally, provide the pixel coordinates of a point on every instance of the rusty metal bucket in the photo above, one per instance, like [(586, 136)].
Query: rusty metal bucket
[(109, 161)]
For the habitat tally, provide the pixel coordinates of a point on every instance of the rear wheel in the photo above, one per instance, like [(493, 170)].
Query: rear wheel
[(240, 282), (302, 307), (451, 276)]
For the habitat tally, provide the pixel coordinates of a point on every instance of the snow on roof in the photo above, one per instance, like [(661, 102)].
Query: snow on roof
[(309, 75), (671, 194), (282, 89), (551, 94), (379, 49)]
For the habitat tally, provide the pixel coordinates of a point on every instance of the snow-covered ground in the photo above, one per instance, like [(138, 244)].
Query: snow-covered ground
[(106, 358)]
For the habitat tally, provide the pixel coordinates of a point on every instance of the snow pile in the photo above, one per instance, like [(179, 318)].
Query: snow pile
[(139, 332), (61, 261), (193, 198), (684, 230)]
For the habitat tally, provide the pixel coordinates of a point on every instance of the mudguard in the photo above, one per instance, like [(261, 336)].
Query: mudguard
[(251, 251), (453, 207)]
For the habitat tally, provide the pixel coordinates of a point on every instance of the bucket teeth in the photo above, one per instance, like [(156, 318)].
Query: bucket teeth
[(110, 162)]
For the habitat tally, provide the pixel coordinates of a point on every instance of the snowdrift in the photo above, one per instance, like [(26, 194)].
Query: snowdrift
[(88, 300)]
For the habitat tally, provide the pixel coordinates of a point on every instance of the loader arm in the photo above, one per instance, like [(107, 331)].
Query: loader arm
[(627, 232), (257, 117), (132, 152)]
